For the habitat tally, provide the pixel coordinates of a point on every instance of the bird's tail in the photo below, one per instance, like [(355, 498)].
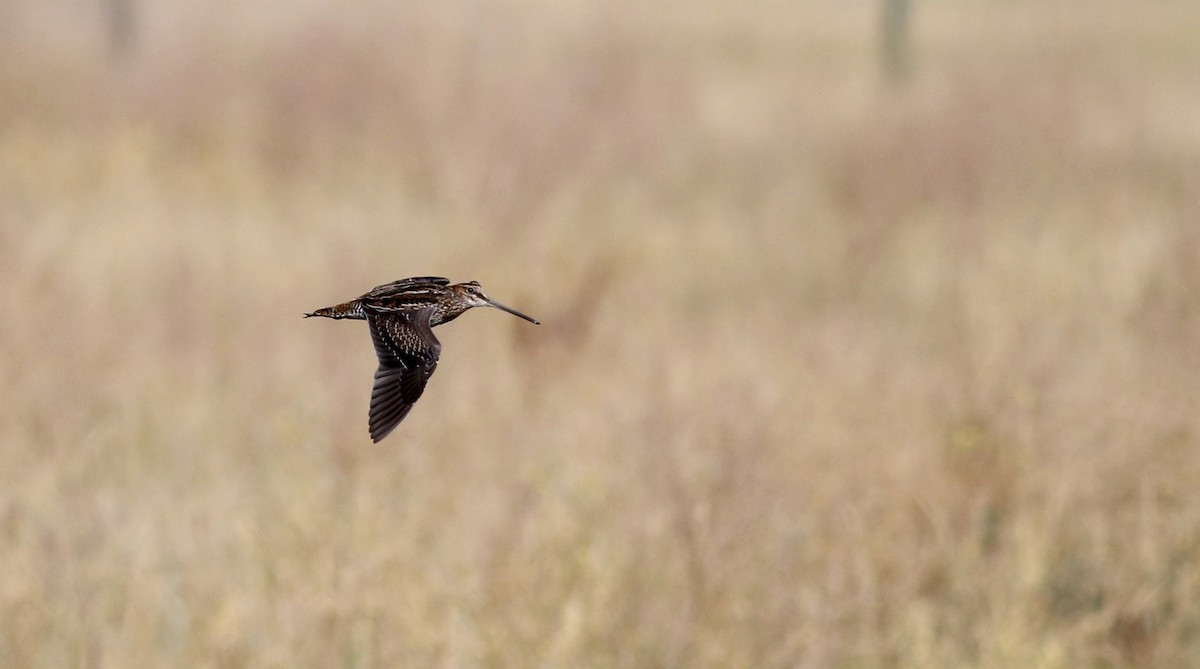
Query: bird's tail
[(351, 309)]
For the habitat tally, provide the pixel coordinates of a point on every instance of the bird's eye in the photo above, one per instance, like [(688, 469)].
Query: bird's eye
[(471, 289)]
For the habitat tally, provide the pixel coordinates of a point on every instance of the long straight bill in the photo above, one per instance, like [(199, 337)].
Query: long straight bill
[(512, 311)]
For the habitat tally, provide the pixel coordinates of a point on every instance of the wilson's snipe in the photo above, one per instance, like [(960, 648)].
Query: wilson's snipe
[(401, 316)]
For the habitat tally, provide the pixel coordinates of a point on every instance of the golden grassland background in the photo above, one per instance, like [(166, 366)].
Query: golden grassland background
[(833, 374)]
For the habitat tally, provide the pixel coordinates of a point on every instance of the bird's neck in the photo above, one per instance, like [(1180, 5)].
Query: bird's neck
[(445, 315)]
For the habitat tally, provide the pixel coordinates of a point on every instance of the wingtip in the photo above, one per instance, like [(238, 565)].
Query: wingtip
[(380, 435)]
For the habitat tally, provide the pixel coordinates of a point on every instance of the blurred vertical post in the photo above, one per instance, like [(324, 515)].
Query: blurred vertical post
[(121, 19), (895, 39)]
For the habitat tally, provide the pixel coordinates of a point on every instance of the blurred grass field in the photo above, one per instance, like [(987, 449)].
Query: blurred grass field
[(832, 373)]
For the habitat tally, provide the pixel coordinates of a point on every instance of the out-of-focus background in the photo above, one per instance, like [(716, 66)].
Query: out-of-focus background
[(871, 334)]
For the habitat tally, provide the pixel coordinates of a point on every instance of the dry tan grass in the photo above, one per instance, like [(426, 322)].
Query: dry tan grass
[(832, 376)]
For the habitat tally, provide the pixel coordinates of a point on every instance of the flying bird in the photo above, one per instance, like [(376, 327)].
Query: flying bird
[(401, 316)]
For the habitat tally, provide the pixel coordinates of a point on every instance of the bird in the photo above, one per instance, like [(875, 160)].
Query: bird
[(401, 316)]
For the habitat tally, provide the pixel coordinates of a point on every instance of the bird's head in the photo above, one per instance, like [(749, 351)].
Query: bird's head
[(471, 294)]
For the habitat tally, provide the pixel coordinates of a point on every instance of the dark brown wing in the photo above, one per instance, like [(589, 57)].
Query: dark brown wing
[(408, 353), (412, 281), (405, 294)]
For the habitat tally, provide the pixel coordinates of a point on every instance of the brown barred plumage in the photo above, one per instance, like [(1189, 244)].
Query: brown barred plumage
[(401, 316)]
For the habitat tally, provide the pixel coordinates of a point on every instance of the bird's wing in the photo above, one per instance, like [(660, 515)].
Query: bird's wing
[(408, 353), (404, 295), (399, 285)]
